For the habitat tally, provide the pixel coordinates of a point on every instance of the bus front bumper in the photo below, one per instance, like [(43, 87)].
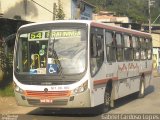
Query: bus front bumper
[(80, 100)]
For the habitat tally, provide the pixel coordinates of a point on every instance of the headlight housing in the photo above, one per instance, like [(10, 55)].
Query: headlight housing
[(18, 89), (81, 88)]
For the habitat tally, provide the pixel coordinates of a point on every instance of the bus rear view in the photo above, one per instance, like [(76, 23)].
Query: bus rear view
[(50, 65)]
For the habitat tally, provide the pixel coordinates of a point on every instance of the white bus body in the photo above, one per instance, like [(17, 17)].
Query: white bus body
[(96, 59)]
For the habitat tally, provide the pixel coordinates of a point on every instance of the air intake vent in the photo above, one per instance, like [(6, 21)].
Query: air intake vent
[(47, 94)]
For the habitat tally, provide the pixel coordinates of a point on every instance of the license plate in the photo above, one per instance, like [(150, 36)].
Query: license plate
[(46, 100)]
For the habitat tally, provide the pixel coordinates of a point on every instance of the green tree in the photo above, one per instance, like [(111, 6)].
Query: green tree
[(137, 10), (60, 14)]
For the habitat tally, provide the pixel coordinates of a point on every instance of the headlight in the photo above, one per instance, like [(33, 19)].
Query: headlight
[(81, 88), (18, 89)]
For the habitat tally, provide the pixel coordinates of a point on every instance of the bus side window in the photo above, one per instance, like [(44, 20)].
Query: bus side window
[(136, 48), (110, 47), (143, 49), (128, 50), (119, 45), (97, 52)]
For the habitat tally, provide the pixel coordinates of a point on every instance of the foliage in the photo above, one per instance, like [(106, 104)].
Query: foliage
[(7, 91), (59, 14), (137, 10)]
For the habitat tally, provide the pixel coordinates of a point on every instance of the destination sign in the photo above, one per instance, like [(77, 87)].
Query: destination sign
[(63, 34), (44, 35)]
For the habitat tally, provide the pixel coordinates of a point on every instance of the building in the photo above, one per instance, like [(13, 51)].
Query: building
[(156, 47), (40, 10), (110, 17), (155, 32), (156, 50)]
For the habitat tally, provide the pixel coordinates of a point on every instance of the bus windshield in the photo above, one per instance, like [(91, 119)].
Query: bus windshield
[(51, 51)]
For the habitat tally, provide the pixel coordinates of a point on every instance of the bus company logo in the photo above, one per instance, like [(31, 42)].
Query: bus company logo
[(128, 67), (122, 68), (45, 90), (132, 66)]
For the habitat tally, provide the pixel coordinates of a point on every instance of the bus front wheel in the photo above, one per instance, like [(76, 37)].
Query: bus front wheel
[(107, 100)]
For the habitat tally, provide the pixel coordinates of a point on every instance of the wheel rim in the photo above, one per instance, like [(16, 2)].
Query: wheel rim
[(142, 88), (107, 99)]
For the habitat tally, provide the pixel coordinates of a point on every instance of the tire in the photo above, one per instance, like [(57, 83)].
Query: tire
[(142, 88), (107, 100)]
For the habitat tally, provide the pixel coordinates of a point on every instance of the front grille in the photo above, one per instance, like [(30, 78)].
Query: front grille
[(52, 94), (55, 102)]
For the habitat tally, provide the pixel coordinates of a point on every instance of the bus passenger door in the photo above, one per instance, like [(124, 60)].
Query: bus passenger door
[(97, 65)]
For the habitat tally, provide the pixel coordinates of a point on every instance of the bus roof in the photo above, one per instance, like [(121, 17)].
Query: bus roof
[(58, 21), (120, 29), (95, 24)]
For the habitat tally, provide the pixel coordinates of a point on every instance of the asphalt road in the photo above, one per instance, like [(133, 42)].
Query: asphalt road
[(150, 104)]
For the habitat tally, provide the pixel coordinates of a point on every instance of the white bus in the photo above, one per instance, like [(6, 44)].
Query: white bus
[(79, 64)]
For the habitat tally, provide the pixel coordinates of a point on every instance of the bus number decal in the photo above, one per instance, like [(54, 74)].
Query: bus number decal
[(36, 35), (44, 35)]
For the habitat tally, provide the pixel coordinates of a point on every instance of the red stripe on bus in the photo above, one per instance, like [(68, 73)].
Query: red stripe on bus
[(104, 81)]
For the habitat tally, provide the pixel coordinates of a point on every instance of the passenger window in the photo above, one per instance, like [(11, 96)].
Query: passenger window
[(143, 49), (119, 45), (136, 48), (110, 47), (128, 49)]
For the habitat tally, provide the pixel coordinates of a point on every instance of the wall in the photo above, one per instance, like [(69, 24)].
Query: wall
[(18, 8), (155, 58), (29, 9), (67, 8), (156, 40), (156, 50)]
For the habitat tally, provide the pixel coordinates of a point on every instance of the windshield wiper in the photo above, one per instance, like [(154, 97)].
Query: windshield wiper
[(53, 54)]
